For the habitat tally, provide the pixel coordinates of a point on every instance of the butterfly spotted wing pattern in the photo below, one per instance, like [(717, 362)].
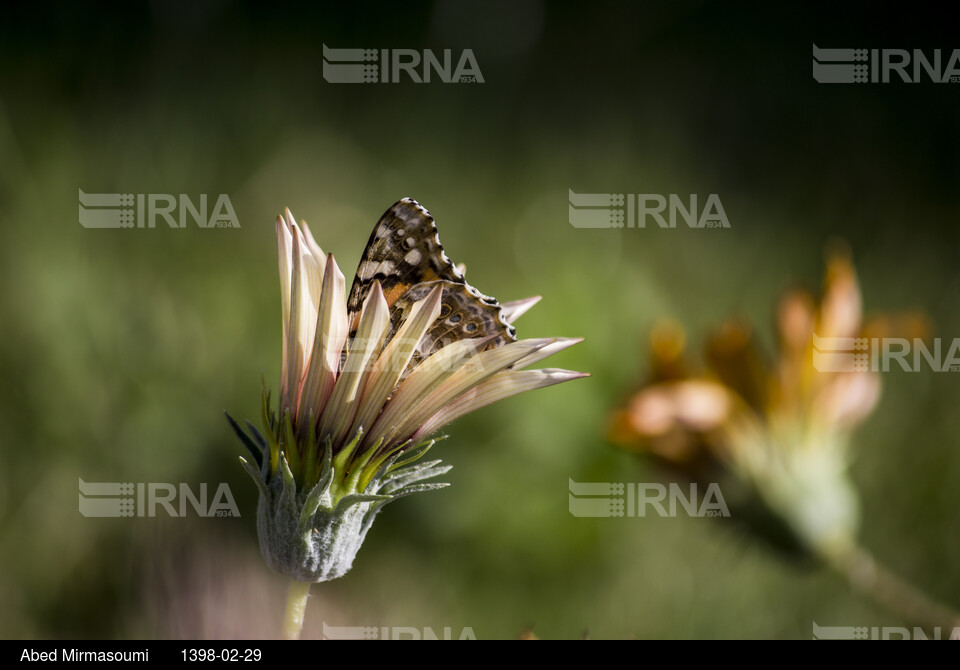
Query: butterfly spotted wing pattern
[(405, 255)]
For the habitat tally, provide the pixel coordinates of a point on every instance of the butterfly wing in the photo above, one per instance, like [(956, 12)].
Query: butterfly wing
[(463, 315), (404, 250), (405, 255)]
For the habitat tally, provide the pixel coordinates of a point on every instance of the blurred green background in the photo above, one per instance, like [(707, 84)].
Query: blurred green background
[(120, 349)]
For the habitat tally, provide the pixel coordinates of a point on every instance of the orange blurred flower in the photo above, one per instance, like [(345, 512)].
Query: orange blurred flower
[(780, 427)]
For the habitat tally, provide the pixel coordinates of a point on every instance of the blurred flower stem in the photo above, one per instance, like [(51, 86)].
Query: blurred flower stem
[(297, 597), (875, 581)]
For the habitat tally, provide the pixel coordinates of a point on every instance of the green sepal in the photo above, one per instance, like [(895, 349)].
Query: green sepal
[(255, 449), (290, 449), (316, 507), (269, 425), (310, 472)]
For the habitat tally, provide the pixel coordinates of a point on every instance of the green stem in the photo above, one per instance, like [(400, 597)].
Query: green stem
[(868, 577), (296, 606)]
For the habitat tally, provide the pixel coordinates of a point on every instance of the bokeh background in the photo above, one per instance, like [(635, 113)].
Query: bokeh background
[(120, 349)]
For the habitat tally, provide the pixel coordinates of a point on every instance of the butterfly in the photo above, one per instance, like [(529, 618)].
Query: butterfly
[(405, 255)]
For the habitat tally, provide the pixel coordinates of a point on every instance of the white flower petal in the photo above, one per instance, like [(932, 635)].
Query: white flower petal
[(331, 332), (515, 309), (284, 253), (476, 370), (423, 381), (374, 323), (311, 286), (391, 364), (306, 282), (312, 243), (498, 387), (296, 349), (560, 344)]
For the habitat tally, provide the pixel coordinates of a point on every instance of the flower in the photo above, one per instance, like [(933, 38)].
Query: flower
[(359, 399), (781, 429)]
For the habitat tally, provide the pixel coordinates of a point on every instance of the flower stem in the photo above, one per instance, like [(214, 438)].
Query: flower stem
[(872, 579), (296, 606)]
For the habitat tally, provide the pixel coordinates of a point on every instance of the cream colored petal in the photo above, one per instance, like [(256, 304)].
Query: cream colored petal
[(702, 405), (306, 286), (391, 364), (331, 332), (651, 412), (796, 325), (339, 413), (840, 310), (515, 309), (308, 245), (423, 381), (284, 253), (312, 244), (696, 405), (311, 267), (847, 399), (476, 370), (498, 387), (796, 320), (557, 346), (295, 353)]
